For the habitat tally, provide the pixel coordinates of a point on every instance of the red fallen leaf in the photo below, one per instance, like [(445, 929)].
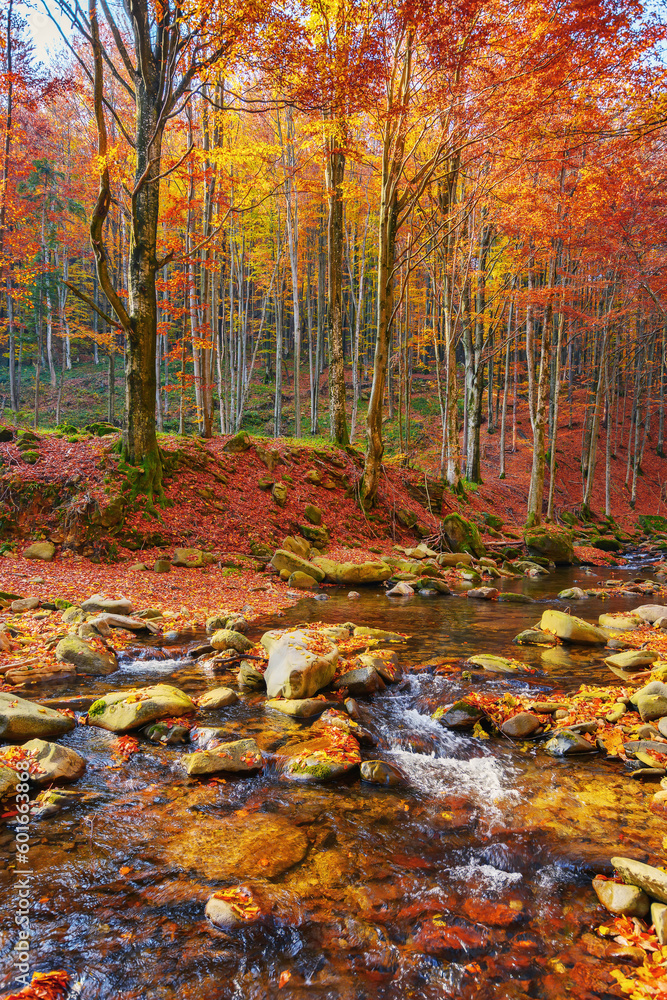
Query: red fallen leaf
[(284, 978), (43, 986)]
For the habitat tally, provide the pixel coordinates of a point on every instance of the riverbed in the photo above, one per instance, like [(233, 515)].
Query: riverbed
[(471, 882)]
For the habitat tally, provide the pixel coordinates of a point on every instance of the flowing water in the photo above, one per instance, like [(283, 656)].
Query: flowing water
[(473, 882)]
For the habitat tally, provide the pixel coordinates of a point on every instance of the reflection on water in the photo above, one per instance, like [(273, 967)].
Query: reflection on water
[(471, 883)]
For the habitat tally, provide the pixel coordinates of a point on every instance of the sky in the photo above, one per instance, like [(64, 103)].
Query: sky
[(44, 33)]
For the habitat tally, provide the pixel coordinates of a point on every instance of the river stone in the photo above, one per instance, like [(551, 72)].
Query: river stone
[(621, 900), (652, 880), (40, 550), (302, 581), (239, 757), (621, 622), (401, 590), (300, 663), (650, 612), (631, 658), (572, 594), (350, 572), (258, 845), (509, 597), (571, 629), (24, 604), (120, 711), (22, 720), (496, 664), (208, 737), (483, 593), (298, 708), (651, 706), (384, 661), (440, 586), (85, 657), (452, 559), (553, 543), (379, 772), (249, 676), (222, 914), (460, 715), (565, 743), (220, 697), (292, 563), (115, 606), (534, 637), (9, 779), (520, 726), (167, 733), (227, 638), (319, 760), (653, 687), (659, 921), (56, 763), (362, 680)]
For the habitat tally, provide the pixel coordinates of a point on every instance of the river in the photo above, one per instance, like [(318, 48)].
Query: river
[(473, 882)]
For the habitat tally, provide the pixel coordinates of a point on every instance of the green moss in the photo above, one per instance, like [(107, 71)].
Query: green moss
[(98, 707)]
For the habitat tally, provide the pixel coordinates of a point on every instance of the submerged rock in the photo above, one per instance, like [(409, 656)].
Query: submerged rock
[(232, 908), (362, 680), (167, 733), (483, 593), (534, 637), (120, 711), (621, 900), (22, 720), (401, 590), (460, 715), (631, 658), (379, 772)]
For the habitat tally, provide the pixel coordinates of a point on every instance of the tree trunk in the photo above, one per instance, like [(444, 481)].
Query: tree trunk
[(334, 175)]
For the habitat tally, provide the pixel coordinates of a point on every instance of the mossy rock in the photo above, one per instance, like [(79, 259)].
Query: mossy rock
[(462, 535), (652, 522), (319, 536), (550, 542), (606, 544), (312, 514), (406, 518), (30, 457), (569, 519), (240, 442), (493, 521), (101, 428)]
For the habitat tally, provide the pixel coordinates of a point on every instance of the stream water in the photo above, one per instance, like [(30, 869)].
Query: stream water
[(473, 882)]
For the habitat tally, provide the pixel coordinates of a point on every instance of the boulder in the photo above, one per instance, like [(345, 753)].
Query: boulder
[(40, 550), (85, 657), (299, 546), (24, 604), (379, 772), (226, 619), (572, 629), (566, 743), (552, 542), (606, 543), (312, 513), (227, 638), (631, 659), (220, 697), (279, 493), (462, 535), (239, 757), (651, 706), (572, 594), (322, 759), (621, 900), (189, 558), (650, 612), (300, 664), (316, 535), (349, 572), (115, 606), (22, 720), (621, 621), (496, 664), (652, 880), (377, 633), (362, 680), (250, 676), (298, 708), (401, 589), (384, 661), (161, 566), (302, 581), (659, 921), (292, 563), (120, 711), (520, 726), (56, 763), (239, 443), (451, 559)]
